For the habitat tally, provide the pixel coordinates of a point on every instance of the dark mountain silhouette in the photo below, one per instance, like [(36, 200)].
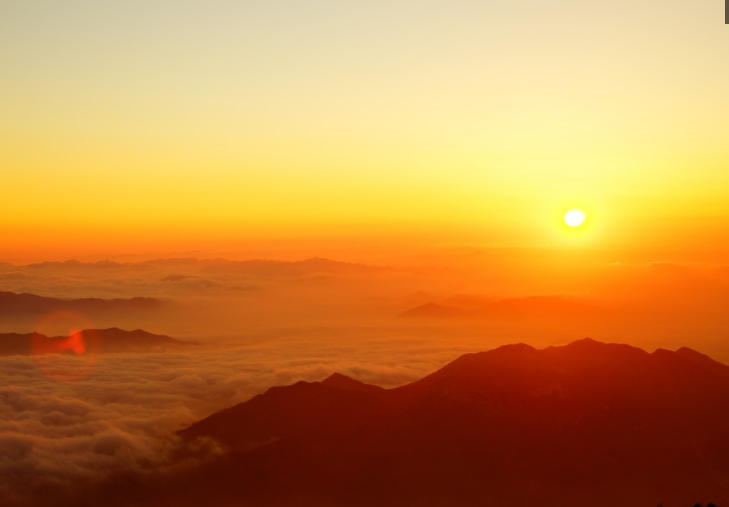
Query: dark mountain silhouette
[(87, 341), (349, 384), (12, 304), (533, 307), (584, 424)]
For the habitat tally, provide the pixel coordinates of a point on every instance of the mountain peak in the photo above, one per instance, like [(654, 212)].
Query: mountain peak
[(96, 341), (590, 347), (489, 426), (339, 381)]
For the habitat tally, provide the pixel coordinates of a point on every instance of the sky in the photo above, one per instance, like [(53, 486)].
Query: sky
[(178, 125), (433, 145)]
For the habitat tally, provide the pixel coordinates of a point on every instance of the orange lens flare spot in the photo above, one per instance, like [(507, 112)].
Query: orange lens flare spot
[(70, 356), (75, 342)]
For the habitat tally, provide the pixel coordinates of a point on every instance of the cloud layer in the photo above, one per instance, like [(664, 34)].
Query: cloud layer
[(57, 437)]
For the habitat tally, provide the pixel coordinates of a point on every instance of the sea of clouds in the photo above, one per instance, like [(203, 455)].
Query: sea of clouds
[(61, 431)]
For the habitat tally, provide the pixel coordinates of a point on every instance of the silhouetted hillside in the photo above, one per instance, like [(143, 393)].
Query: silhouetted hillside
[(348, 383), (12, 304), (584, 424), (87, 341)]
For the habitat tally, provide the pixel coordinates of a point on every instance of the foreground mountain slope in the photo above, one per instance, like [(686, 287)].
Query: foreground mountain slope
[(587, 423)]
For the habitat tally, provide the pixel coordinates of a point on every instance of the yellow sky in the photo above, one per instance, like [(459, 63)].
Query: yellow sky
[(165, 124)]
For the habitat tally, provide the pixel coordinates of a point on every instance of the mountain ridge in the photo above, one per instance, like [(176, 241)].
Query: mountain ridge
[(110, 340), (608, 424), (215, 264), (14, 304)]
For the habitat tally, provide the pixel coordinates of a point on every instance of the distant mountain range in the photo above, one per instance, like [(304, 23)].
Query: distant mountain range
[(534, 306), (88, 341), (12, 304), (583, 424), (255, 266)]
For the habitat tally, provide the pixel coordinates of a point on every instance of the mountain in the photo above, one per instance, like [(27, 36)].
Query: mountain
[(588, 423), (285, 268), (254, 267), (349, 384), (73, 263), (88, 341), (556, 306), (12, 304)]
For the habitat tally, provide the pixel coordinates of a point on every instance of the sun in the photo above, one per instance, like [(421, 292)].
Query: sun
[(575, 217)]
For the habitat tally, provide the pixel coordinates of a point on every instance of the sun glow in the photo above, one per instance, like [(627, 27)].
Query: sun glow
[(575, 217)]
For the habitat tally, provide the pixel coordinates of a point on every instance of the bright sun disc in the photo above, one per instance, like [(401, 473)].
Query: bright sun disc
[(574, 217)]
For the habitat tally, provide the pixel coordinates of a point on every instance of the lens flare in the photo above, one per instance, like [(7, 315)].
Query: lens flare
[(70, 357)]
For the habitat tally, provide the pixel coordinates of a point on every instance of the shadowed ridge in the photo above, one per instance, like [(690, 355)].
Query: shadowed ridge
[(118, 340), (511, 426), (504, 355), (15, 304), (308, 410), (98, 340), (516, 351), (588, 348), (470, 371), (18, 344), (584, 343), (346, 383), (704, 361)]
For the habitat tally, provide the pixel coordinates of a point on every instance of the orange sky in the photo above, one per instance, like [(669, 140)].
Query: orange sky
[(174, 126)]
